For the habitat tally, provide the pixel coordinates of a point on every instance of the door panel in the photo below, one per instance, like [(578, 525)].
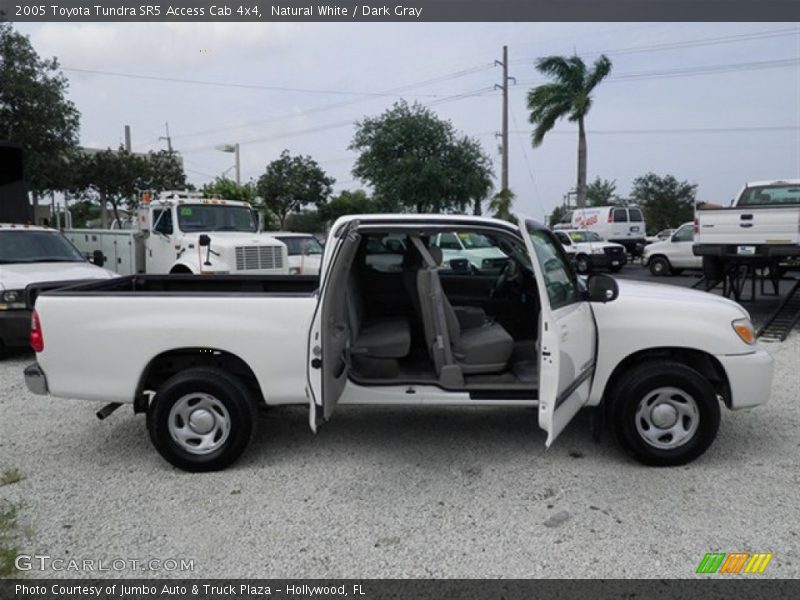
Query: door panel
[(568, 340)]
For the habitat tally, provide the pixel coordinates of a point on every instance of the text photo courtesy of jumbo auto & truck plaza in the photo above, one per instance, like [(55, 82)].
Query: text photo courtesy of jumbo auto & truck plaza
[(430, 299)]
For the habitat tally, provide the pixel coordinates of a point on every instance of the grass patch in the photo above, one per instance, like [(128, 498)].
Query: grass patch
[(9, 534), (10, 476)]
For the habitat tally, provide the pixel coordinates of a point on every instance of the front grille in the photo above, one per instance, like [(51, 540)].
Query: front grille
[(614, 251), (252, 258)]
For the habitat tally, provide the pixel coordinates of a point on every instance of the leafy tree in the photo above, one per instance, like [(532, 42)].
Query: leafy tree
[(665, 201), (228, 189), (557, 214), (602, 192), (348, 203), (163, 170), (415, 161), (34, 112), (82, 212), (110, 177), (291, 183), (568, 96), (306, 221), (501, 204)]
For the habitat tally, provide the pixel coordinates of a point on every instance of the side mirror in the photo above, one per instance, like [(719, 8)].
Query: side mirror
[(602, 288), (204, 240), (97, 258)]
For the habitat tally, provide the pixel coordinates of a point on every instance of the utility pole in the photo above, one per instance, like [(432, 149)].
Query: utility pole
[(169, 139), (238, 178), (504, 133)]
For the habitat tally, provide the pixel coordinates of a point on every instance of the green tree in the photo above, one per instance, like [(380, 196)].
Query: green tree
[(228, 189), (34, 112), (557, 214), (501, 204), (306, 221), (110, 177), (415, 161), (348, 203), (665, 201), (601, 192), (291, 183), (162, 171), (82, 212), (568, 96)]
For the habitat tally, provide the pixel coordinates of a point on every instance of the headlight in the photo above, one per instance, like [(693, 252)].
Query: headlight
[(12, 300), (294, 270), (744, 329), (596, 250)]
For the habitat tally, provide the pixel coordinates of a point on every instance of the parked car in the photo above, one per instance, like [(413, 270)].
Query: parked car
[(305, 252), (201, 354), (673, 255), (589, 252), (477, 249), (30, 254), (622, 225)]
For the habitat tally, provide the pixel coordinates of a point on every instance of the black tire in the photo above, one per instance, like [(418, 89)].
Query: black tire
[(583, 264), (224, 388), (616, 269), (713, 268), (638, 387), (659, 266)]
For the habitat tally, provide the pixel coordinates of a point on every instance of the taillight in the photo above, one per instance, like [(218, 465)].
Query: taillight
[(37, 340), (611, 217), (696, 227)]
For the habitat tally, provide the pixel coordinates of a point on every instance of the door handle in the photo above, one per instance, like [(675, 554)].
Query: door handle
[(316, 363)]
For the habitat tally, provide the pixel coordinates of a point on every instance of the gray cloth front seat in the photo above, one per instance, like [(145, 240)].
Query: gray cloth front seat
[(485, 349)]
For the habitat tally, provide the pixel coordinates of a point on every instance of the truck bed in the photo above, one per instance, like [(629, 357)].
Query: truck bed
[(767, 230), (184, 285)]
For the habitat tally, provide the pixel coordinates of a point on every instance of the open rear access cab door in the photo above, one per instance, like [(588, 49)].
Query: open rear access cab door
[(567, 331), (329, 335)]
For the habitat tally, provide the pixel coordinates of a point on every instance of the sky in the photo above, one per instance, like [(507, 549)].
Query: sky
[(717, 104)]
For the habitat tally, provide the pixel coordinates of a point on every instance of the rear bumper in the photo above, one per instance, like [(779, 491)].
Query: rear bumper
[(35, 379), (749, 377), (604, 261), (15, 328), (759, 250)]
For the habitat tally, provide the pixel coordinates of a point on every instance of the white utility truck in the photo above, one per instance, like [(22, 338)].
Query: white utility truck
[(201, 354), (183, 232), (761, 228), (618, 224), (589, 251)]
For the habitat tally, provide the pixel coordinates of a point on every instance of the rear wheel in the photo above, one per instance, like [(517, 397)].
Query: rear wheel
[(664, 413), (659, 266), (201, 419)]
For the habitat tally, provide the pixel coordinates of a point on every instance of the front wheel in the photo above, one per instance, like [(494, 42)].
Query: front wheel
[(201, 419), (664, 413), (583, 264), (616, 269), (659, 266)]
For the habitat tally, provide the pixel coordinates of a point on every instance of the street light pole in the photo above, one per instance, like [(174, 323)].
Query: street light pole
[(238, 177)]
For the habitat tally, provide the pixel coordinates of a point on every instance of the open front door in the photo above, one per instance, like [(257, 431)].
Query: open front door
[(329, 335), (567, 332)]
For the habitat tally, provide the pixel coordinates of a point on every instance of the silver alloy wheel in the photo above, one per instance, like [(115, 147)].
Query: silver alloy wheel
[(659, 267), (667, 418), (199, 423)]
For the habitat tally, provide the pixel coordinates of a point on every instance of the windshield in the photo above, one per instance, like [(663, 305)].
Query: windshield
[(215, 217), (297, 246), (473, 241), (36, 246), (770, 195), (584, 236)]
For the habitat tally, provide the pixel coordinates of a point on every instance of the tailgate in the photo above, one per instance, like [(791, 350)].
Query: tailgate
[(752, 225)]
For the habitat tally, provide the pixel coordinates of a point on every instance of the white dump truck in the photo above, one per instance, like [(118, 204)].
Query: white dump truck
[(183, 232)]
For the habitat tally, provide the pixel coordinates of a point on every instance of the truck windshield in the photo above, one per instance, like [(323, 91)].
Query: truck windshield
[(474, 241), (36, 246), (584, 236), (770, 195), (215, 217)]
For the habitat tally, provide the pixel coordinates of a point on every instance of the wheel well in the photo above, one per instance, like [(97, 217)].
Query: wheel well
[(702, 362), (180, 269), (655, 256), (167, 364)]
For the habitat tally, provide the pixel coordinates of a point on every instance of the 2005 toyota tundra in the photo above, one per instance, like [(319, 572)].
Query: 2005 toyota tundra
[(386, 323)]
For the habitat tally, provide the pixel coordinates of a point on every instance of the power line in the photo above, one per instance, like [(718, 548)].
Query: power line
[(528, 165), (693, 43), (669, 131)]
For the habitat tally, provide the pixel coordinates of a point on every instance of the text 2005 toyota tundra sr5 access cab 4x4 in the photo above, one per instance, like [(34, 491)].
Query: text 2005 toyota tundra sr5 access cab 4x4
[(198, 354)]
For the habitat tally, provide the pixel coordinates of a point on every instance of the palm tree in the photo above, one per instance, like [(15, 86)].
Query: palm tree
[(568, 96)]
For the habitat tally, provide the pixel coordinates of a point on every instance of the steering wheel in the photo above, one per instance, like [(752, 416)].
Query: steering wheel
[(509, 274)]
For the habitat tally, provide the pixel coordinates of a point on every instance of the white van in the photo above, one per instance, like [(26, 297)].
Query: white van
[(620, 224)]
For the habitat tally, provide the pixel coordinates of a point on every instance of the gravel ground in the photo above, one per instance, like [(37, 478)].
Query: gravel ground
[(392, 492)]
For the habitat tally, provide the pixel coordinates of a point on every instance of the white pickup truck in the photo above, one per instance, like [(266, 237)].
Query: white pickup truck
[(762, 226), (200, 354)]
